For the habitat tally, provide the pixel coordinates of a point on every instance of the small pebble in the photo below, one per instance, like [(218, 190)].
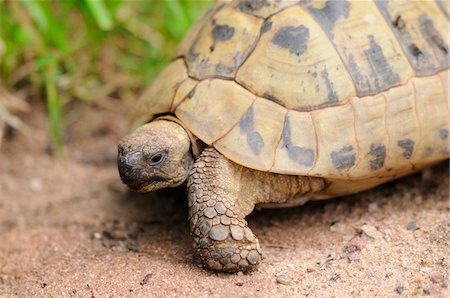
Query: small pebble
[(411, 226), (357, 243), (335, 277), (372, 232), (36, 184), (425, 269), (399, 289), (437, 278), (353, 256), (146, 279), (426, 262), (432, 289), (97, 235), (283, 279), (373, 207), (337, 227)]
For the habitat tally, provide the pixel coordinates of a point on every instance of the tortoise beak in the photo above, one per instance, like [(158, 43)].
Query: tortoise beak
[(130, 164)]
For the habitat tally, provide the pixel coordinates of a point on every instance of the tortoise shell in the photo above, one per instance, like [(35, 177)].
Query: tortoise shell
[(348, 90)]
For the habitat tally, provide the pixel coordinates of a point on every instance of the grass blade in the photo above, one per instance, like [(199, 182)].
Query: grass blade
[(101, 14), (53, 104)]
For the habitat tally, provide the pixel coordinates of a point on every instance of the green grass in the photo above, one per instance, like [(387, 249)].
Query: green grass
[(77, 51)]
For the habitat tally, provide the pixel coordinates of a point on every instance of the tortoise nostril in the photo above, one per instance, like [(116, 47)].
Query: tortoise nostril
[(128, 157), (121, 156)]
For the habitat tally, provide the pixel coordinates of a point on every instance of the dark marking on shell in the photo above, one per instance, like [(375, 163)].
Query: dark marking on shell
[(440, 44), (443, 133), (416, 52), (266, 27), (222, 33), (378, 61), (369, 84), (255, 141), (191, 54), (301, 155), (329, 14), (428, 151), (332, 96), (254, 138), (408, 146), (344, 158), (361, 82), (191, 93), (399, 24), (293, 38), (419, 58), (246, 122), (249, 6), (442, 8), (434, 38), (378, 155), (222, 69)]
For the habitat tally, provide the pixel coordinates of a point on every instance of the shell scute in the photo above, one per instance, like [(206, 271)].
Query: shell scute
[(371, 135), (421, 36), (364, 42), (159, 96), (433, 117), (297, 150), (295, 65), (338, 150), (402, 126), (222, 44), (206, 112), (254, 138)]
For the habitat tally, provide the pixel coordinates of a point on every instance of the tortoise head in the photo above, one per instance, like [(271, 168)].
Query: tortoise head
[(155, 156)]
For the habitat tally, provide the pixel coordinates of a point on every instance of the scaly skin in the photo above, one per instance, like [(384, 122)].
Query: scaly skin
[(220, 195)]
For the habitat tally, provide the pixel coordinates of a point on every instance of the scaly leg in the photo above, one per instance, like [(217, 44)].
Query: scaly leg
[(221, 194)]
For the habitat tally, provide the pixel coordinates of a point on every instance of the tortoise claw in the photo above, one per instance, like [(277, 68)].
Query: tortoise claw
[(228, 248)]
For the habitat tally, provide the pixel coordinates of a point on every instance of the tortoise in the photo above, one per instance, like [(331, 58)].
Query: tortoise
[(272, 103)]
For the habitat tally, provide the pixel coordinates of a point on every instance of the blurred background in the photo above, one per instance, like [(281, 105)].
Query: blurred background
[(66, 55)]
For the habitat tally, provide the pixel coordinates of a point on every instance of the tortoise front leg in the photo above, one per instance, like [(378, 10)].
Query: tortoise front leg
[(220, 195)]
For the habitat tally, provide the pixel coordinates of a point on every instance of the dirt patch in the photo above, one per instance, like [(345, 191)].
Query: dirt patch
[(71, 229)]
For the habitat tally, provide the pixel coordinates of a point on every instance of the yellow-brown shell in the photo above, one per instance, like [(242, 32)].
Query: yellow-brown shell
[(339, 89)]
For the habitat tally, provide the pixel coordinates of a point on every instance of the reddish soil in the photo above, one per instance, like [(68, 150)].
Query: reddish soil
[(70, 229)]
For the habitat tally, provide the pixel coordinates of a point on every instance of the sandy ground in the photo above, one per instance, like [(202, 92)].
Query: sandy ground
[(71, 229)]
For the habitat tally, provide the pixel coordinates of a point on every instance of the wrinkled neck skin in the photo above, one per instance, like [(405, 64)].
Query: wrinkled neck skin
[(157, 155)]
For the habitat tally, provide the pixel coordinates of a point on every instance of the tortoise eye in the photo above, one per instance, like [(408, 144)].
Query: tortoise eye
[(158, 158)]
